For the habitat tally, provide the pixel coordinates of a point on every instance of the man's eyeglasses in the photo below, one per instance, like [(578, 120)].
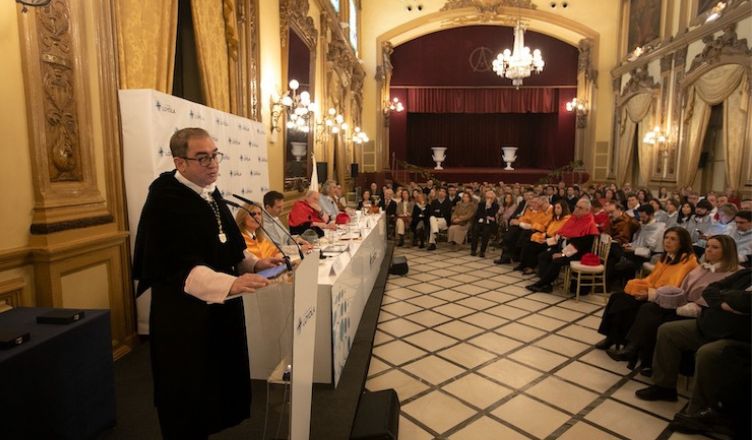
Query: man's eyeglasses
[(205, 160)]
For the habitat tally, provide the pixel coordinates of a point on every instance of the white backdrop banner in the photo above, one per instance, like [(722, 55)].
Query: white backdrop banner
[(150, 117)]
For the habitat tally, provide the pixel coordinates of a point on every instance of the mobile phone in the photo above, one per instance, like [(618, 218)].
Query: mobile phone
[(273, 272)]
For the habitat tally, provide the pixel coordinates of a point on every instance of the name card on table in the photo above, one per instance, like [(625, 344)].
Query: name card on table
[(339, 264)]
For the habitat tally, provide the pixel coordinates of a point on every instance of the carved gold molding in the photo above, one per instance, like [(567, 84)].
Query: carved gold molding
[(60, 121), (294, 13), (640, 81), (681, 41), (488, 6), (249, 73), (585, 60), (726, 45)]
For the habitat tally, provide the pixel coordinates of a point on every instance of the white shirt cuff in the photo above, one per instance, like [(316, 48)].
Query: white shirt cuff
[(208, 285)]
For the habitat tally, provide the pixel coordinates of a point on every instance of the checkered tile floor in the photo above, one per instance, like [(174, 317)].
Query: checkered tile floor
[(474, 355)]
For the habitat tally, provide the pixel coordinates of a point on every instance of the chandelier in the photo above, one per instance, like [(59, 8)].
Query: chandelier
[(519, 63)]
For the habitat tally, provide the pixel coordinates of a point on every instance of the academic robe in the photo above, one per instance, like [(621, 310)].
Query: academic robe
[(199, 353)]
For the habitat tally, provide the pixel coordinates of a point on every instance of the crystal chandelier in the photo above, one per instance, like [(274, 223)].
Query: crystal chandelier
[(519, 63)]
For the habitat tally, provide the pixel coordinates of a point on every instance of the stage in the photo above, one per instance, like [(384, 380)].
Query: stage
[(491, 175)]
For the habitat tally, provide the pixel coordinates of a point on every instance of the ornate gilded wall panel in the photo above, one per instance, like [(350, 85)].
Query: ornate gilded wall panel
[(60, 121)]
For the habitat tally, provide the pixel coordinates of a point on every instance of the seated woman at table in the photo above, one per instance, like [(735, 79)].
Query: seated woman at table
[(719, 261), (541, 241), (365, 201), (255, 240), (676, 263), (419, 222), (461, 219)]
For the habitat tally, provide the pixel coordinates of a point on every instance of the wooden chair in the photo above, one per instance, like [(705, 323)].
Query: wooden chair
[(590, 276)]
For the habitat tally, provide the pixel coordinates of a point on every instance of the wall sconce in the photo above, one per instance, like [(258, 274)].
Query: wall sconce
[(658, 137), (298, 107), (359, 136), (333, 124), (580, 106), (391, 106)]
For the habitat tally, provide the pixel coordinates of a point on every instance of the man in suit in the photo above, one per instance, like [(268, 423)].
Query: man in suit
[(440, 212)]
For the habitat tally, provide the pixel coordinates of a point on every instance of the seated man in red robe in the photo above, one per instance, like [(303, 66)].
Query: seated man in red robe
[(307, 214)]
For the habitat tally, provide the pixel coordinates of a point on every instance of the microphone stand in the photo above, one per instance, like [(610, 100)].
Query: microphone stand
[(285, 257), (271, 218)]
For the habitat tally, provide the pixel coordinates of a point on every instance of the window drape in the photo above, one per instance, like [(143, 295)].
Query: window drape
[(146, 32), (483, 100), (214, 49), (635, 111), (729, 84)]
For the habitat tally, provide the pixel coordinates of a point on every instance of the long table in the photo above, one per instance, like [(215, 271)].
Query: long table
[(343, 295), (344, 283)]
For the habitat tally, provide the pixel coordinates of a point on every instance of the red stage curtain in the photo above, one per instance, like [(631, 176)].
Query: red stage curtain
[(484, 100), (475, 140)]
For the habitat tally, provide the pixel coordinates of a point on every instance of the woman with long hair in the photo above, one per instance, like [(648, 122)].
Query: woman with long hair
[(660, 215), (677, 261), (540, 241), (719, 261), (249, 221), (365, 200), (686, 213)]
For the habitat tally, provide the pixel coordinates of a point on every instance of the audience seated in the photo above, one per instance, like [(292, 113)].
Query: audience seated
[(677, 261), (541, 241), (484, 223), (672, 212), (462, 217), (576, 239), (700, 224), (646, 242), (419, 222), (535, 218), (741, 233), (440, 211), (720, 336), (404, 213), (719, 261)]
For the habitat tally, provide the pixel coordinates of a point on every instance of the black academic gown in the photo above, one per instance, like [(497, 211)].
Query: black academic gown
[(199, 352)]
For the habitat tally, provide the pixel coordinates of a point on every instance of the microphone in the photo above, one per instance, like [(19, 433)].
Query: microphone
[(270, 217), (285, 257)]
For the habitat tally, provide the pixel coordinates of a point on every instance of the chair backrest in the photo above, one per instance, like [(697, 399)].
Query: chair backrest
[(604, 247)]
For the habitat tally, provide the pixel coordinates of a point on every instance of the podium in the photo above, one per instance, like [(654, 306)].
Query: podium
[(281, 329)]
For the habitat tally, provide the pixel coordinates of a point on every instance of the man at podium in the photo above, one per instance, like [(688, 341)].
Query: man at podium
[(190, 252)]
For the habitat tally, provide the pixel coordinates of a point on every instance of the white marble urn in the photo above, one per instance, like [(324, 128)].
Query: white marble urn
[(509, 155), (439, 156), (299, 150)]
